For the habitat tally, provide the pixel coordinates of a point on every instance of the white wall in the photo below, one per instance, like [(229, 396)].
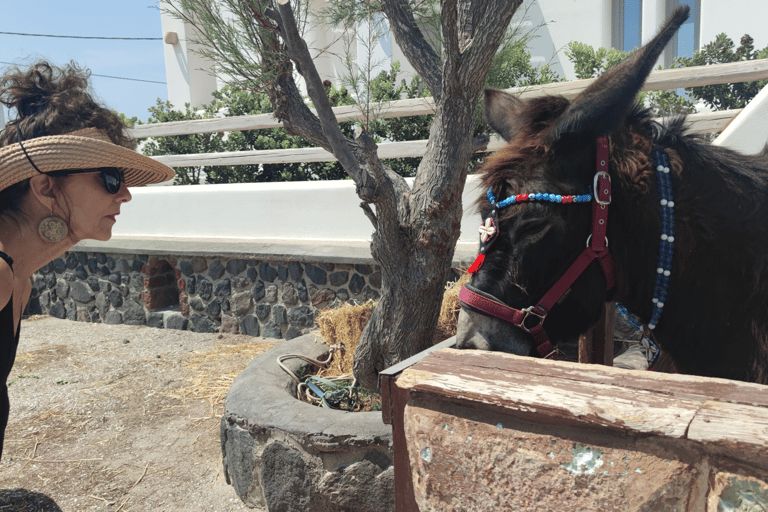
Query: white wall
[(735, 18)]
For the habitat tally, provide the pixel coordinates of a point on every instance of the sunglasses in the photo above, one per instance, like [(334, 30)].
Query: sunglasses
[(112, 176)]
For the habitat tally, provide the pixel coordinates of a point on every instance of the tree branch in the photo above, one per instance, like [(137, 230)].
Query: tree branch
[(415, 47), (298, 51)]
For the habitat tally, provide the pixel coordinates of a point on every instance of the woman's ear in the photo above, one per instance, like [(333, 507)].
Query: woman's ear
[(43, 188)]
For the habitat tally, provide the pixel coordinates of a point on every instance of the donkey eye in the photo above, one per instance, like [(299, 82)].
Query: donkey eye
[(531, 229)]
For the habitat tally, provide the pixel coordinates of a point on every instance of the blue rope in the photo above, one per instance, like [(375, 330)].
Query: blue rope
[(666, 244)]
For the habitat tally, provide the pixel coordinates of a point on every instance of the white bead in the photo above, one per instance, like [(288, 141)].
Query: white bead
[(660, 168), (664, 237), (666, 170), (651, 326), (663, 202), (659, 270), (654, 300), (671, 204), (670, 239), (667, 273), (660, 304)]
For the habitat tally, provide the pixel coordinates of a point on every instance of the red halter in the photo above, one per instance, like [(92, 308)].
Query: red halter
[(531, 319)]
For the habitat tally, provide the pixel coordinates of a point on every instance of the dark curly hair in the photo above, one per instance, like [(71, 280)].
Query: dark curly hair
[(51, 100)]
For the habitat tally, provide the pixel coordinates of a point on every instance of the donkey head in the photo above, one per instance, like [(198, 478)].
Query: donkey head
[(552, 150)]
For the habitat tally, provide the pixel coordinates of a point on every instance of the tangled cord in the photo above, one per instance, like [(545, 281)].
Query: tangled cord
[(327, 392)]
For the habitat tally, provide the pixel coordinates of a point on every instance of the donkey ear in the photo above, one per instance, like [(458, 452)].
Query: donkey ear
[(502, 111), (604, 105)]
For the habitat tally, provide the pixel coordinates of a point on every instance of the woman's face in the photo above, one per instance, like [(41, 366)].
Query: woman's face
[(91, 210)]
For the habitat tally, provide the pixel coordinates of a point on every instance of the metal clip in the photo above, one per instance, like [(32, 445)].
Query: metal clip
[(528, 313), (595, 189)]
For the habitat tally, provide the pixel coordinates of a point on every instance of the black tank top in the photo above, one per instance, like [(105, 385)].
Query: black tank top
[(8, 344)]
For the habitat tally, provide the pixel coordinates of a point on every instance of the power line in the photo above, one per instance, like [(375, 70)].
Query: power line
[(86, 37), (108, 76)]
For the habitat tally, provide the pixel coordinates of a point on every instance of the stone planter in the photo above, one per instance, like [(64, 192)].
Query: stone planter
[(286, 455)]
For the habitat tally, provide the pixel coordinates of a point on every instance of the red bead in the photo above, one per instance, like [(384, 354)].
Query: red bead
[(522, 197), (567, 199)]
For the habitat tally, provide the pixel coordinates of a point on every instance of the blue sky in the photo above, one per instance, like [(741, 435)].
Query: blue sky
[(141, 60)]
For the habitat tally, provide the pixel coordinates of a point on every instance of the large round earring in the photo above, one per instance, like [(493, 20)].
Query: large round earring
[(53, 229)]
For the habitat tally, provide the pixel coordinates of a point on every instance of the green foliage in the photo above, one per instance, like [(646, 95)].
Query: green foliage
[(721, 50), (590, 63)]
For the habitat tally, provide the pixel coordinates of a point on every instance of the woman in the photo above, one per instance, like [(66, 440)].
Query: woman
[(65, 165)]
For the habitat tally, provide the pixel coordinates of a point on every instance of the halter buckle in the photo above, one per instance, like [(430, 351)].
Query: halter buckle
[(534, 315), (595, 189)]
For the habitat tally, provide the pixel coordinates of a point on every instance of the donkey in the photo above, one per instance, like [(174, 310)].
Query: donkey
[(676, 226)]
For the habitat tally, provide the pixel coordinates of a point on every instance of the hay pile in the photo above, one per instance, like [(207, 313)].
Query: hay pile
[(345, 324)]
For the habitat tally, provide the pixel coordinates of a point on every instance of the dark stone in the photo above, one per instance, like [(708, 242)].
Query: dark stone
[(71, 261), (81, 273), (103, 271), (375, 280), (115, 298), (176, 321), (201, 323), (356, 284), (364, 269), (50, 281), (54, 297), (113, 317), (252, 274), (33, 307), (57, 310), (114, 278), (95, 318), (280, 315), (123, 266), (295, 270), (93, 282), (204, 288), (101, 258), (290, 295), (370, 294), (339, 278), (125, 279), (282, 273), (191, 285), (267, 272), (301, 316), (215, 270), (81, 292), (253, 263), (62, 289), (155, 320), (59, 265), (316, 274), (328, 267), (134, 314), (292, 332), (235, 267), (185, 266), (270, 294), (301, 289), (257, 292), (196, 303), (262, 311), (285, 478), (137, 282), (249, 326), (223, 288), (111, 263), (46, 269), (271, 330), (225, 304), (93, 265), (69, 276), (82, 258), (71, 310), (214, 308), (240, 282), (136, 265)]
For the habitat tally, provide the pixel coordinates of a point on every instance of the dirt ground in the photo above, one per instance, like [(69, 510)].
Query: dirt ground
[(119, 418)]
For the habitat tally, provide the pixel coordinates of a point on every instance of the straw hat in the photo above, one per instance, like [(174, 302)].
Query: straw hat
[(89, 148)]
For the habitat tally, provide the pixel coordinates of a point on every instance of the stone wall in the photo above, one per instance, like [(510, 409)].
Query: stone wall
[(274, 299)]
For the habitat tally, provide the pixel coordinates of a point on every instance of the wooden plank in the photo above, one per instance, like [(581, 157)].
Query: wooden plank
[(544, 399), (657, 80), (405, 500), (674, 385)]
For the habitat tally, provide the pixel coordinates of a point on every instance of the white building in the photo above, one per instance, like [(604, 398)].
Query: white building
[(621, 24)]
